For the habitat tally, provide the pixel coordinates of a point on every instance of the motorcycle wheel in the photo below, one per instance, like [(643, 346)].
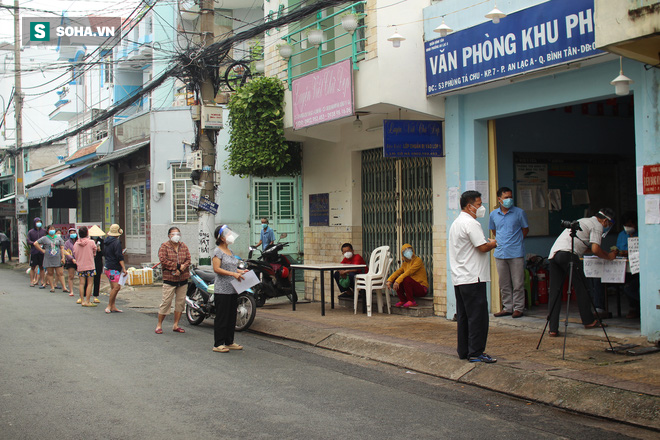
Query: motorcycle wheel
[(195, 317), (246, 309)]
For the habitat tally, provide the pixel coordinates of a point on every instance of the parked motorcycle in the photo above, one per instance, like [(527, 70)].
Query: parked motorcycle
[(274, 271), (200, 300)]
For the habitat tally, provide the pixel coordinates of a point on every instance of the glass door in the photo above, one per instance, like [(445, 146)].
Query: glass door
[(136, 230)]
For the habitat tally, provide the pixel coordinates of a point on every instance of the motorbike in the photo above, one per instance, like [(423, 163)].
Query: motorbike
[(200, 299), (274, 271)]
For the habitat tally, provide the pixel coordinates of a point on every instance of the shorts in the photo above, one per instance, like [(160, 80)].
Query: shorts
[(37, 260), (113, 275), (87, 273), (70, 266)]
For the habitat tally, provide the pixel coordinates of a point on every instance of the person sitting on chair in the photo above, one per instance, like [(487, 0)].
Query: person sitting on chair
[(345, 279), (409, 281)]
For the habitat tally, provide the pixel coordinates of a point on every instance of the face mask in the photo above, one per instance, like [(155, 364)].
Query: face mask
[(264, 225), (481, 211), (73, 235), (51, 232), (348, 255), (175, 238), (408, 253), (230, 236), (606, 230), (59, 235), (507, 203), (629, 230), (39, 224)]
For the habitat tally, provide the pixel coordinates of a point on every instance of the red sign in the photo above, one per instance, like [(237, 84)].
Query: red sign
[(651, 179)]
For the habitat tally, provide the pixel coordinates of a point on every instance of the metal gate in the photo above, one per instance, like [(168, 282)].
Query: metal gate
[(397, 205)]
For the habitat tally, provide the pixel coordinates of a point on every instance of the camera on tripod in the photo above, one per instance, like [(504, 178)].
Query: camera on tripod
[(572, 225)]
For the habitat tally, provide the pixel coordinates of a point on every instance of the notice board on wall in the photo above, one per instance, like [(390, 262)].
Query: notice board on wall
[(553, 187)]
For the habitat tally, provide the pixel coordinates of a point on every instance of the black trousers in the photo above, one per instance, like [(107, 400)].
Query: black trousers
[(559, 267), (97, 280), (225, 318), (472, 316), (5, 246)]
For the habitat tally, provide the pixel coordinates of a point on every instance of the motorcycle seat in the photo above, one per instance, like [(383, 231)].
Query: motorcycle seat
[(206, 273)]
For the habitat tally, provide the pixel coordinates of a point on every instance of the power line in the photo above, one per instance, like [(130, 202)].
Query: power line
[(191, 63)]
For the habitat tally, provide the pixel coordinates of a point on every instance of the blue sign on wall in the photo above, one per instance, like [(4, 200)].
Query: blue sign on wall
[(412, 138), (549, 34), (319, 209), (207, 205)]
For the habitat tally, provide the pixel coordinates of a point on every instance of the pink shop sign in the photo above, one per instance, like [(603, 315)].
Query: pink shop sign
[(323, 96)]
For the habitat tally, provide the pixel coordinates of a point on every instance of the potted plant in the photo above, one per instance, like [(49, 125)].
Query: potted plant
[(315, 37), (285, 50), (349, 22)]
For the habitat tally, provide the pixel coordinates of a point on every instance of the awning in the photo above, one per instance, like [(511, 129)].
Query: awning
[(8, 198), (44, 188), (116, 155)]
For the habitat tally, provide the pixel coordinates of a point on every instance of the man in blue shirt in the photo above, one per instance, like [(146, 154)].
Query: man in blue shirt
[(508, 224), (267, 235)]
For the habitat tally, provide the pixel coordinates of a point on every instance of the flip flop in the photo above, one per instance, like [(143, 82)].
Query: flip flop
[(70, 293), (89, 305), (42, 287), (108, 311), (52, 290), (67, 291), (32, 285), (159, 331), (178, 330)]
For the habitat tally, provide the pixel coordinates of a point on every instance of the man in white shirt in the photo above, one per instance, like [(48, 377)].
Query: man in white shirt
[(588, 237), (470, 270)]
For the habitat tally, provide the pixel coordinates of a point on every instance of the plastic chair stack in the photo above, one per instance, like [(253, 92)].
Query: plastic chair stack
[(374, 280)]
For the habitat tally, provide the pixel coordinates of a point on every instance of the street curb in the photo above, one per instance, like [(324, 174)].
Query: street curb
[(547, 386)]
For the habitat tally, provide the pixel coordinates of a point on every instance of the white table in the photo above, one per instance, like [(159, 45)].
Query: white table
[(323, 267)]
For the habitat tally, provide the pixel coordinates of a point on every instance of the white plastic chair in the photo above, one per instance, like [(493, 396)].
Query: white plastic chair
[(374, 280)]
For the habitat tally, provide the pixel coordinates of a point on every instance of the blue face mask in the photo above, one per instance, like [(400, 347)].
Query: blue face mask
[(73, 235), (51, 232), (408, 254), (264, 225), (38, 224), (507, 203)]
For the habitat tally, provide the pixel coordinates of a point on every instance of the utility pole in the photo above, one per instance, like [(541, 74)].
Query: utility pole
[(19, 186), (207, 179)]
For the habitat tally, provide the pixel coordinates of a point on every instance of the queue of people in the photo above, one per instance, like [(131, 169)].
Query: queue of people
[(81, 252)]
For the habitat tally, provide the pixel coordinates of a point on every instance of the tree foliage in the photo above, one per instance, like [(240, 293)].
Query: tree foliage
[(257, 145)]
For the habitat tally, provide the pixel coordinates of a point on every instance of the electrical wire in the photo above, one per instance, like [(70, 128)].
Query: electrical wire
[(192, 65)]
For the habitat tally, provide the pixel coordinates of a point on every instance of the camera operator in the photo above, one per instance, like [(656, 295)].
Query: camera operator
[(588, 237)]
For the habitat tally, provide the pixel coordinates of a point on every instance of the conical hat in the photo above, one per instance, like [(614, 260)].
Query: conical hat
[(95, 231)]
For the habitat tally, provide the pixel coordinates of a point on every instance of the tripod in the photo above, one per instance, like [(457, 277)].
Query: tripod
[(571, 265)]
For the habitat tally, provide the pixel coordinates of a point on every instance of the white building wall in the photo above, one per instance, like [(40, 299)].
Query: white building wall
[(169, 129)]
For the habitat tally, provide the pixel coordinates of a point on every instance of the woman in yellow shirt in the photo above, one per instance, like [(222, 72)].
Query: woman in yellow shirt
[(409, 281)]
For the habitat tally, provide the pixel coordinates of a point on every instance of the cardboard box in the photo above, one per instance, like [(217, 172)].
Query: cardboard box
[(139, 277)]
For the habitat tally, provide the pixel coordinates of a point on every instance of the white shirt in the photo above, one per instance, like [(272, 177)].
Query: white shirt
[(467, 263), (592, 232)]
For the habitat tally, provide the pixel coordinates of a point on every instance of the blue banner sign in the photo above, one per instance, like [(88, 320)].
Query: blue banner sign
[(549, 34), (412, 138)]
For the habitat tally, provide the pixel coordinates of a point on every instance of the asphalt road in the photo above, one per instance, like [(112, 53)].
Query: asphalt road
[(68, 372)]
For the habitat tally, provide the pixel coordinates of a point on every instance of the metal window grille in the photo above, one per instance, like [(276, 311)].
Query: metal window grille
[(181, 185)]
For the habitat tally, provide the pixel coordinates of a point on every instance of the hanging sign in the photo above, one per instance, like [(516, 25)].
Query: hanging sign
[(549, 34), (195, 194), (319, 209), (412, 138), (207, 205), (323, 96), (651, 179)]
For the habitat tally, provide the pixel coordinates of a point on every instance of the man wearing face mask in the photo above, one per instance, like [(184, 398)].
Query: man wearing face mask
[(509, 226), (409, 281), (468, 260), (592, 230), (267, 235), (631, 287), (345, 279)]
